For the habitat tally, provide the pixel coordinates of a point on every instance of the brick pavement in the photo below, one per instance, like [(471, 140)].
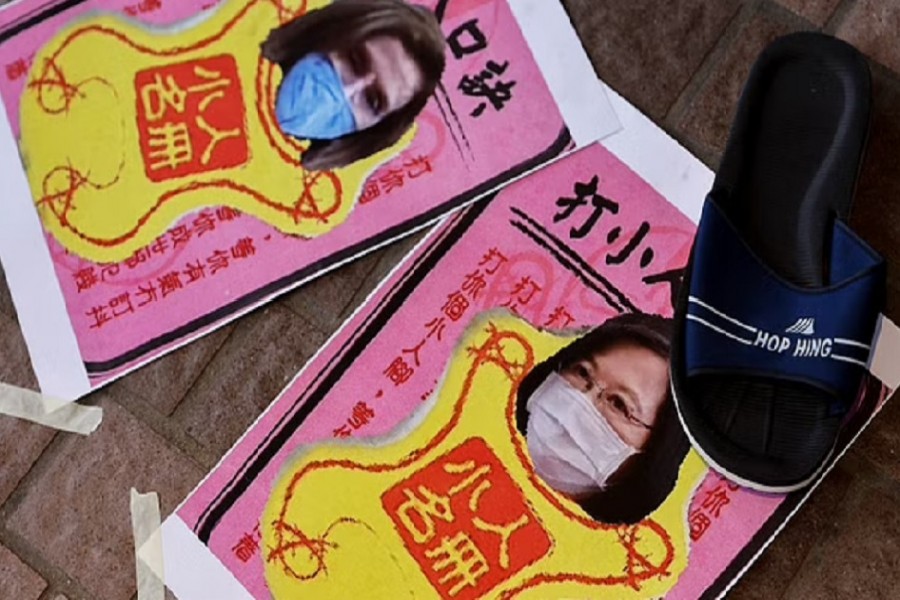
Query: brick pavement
[(64, 526)]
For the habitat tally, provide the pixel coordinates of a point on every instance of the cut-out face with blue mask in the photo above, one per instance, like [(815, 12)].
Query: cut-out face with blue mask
[(311, 102)]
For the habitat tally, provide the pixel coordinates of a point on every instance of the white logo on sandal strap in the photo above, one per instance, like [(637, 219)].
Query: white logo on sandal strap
[(834, 348), (805, 326)]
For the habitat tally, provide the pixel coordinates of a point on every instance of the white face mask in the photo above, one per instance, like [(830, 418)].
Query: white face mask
[(573, 447)]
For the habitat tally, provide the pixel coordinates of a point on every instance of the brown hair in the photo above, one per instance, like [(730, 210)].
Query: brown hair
[(345, 24)]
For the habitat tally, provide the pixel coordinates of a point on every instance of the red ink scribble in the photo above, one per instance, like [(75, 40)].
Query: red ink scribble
[(492, 352), (53, 79), (308, 205), (290, 540), (58, 190), (639, 567)]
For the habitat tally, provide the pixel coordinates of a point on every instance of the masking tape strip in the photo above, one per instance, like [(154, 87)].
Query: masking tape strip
[(148, 557), (51, 412), (885, 360)]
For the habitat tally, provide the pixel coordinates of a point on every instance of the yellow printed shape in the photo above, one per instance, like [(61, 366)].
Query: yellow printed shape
[(124, 130), (328, 534)]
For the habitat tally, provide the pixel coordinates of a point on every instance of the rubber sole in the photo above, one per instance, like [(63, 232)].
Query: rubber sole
[(698, 448)]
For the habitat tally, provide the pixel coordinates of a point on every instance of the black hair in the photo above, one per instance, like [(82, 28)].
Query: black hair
[(644, 480)]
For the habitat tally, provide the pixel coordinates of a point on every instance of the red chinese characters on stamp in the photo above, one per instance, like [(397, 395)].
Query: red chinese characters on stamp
[(190, 118), (466, 522)]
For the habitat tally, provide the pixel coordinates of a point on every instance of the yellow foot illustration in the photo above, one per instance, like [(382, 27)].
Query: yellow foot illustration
[(124, 130), (455, 505)]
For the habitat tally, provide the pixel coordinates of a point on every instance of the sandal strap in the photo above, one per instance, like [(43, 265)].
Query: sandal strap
[(744, 318)]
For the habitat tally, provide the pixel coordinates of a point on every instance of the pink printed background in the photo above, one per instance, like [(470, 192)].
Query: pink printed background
[(215, 256), (494, 264)]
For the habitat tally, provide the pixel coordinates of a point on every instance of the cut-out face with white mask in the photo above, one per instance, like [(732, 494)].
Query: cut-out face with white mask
[(572, 445), (588, 419)]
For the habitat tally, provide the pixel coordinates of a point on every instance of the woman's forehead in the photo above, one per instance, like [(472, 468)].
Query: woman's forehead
[(629, 360), (396, 70), (615, 349)]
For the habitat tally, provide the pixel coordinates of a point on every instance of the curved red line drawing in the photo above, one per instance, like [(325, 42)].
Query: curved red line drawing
[(317, 547), (284, 15), (300, 208), (265, 108)]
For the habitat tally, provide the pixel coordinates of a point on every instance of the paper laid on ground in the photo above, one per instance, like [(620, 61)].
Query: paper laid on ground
[(166, 170), (422, 454)]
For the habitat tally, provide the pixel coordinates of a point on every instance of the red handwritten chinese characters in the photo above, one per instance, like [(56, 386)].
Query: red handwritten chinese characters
[(143, 7), (361, 416), (163, 284), (248, 545), (394, 176), (399, 371), (18, 68), (715, 499)]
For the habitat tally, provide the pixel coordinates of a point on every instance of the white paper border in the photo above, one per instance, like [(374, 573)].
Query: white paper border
[(566, 68), (35, 290), (191, 570), (672, 170)]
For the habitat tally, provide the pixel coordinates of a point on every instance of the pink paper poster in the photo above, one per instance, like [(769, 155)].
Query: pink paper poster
[(173, 195), (403, 460)]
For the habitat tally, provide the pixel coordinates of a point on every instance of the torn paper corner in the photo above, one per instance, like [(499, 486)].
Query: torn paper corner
[(51, 412), (148, 558)]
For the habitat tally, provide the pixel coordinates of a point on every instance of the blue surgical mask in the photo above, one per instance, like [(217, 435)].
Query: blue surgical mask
[(311, 103)]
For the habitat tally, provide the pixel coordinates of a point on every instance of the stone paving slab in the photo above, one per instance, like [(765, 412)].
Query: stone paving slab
[(876, 210), (816, 11), (164, 382), (21, 444), (17, 580), (15, 365), (858, 553), (783, 559), (873, 27), (324, 300), (75, 511), (709, 114), (262, 355), (647, 50), (6, 303), (880, 443)]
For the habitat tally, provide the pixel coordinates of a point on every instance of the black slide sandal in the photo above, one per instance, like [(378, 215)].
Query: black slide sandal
[(780, 301)]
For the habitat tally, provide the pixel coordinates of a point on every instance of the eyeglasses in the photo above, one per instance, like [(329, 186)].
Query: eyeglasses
[(614, 401)]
